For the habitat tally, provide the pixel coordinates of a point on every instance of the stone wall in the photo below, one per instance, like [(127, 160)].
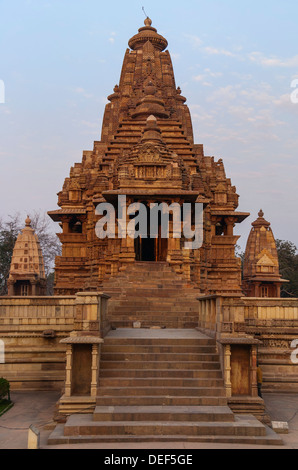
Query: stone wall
[(273, 321), (31, 329)]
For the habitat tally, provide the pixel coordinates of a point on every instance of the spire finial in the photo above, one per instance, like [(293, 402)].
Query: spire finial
[(148, 21), (261, 214), (28, 221)]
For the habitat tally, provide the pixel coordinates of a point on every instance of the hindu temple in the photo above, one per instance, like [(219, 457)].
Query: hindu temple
[(149, 337)]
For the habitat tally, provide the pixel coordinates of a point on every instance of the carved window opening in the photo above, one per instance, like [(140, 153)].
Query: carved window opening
[(264, 291), (221, 228), (22, 288), (75, 226)]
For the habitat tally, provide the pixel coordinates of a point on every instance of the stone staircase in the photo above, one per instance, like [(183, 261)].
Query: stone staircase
[(161, 385), (153, 294)]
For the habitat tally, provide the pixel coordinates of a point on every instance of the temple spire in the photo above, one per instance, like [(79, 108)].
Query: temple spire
[(148, 33), (27, 274), (261, 276)]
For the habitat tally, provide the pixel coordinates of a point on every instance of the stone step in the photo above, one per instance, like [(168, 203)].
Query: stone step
[(83, 424), (157, 357), (163, 413), (154, 294), (159, 304), (57, 437), (159, 289), (164, 318), (158, 382), (150, 284), (158, 391), (174, 311), (149, 324), (160, 315), (161, 373), (127, 348), (176, 294), (161, 400), (150, 278), (148, 273), (160, 281), (159, 312), (177, 341), (200, 365)]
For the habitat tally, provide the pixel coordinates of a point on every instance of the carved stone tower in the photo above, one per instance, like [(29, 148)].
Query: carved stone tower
[(147, 153), (27, 275), (261, 277)]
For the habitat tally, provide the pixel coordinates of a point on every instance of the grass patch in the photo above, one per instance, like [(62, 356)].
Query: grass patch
[(5, 405)]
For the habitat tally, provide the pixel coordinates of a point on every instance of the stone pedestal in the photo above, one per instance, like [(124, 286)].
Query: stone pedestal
[(91, 314)]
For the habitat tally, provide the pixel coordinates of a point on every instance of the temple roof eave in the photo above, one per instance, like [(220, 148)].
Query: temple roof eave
[(190, 196), (56, 214), (240, 216)]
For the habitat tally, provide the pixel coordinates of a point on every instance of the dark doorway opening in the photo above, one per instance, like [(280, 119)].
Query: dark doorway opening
[(145, 249), (151, 249)]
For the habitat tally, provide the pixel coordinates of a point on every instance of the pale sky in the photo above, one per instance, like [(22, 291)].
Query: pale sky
[(234, 61)]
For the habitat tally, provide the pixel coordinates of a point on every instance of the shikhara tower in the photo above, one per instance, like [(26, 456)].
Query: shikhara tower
[(147, 152)]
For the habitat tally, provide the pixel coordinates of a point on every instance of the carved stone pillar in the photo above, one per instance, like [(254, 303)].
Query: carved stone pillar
[(94, 369), (33, 287), (227, 370), (68, 369), (254, 385)]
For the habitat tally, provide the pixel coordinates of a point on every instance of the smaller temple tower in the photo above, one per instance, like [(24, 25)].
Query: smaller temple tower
[(261, 277), (27, 274)]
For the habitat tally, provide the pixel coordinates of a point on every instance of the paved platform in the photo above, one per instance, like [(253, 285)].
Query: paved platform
[(38, 408)]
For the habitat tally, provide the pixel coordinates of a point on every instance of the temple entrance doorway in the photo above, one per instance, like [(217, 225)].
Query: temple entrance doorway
[(151, 249)]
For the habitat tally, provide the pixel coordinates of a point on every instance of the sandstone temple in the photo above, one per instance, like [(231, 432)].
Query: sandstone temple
[(147, 152), (148, 340)]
